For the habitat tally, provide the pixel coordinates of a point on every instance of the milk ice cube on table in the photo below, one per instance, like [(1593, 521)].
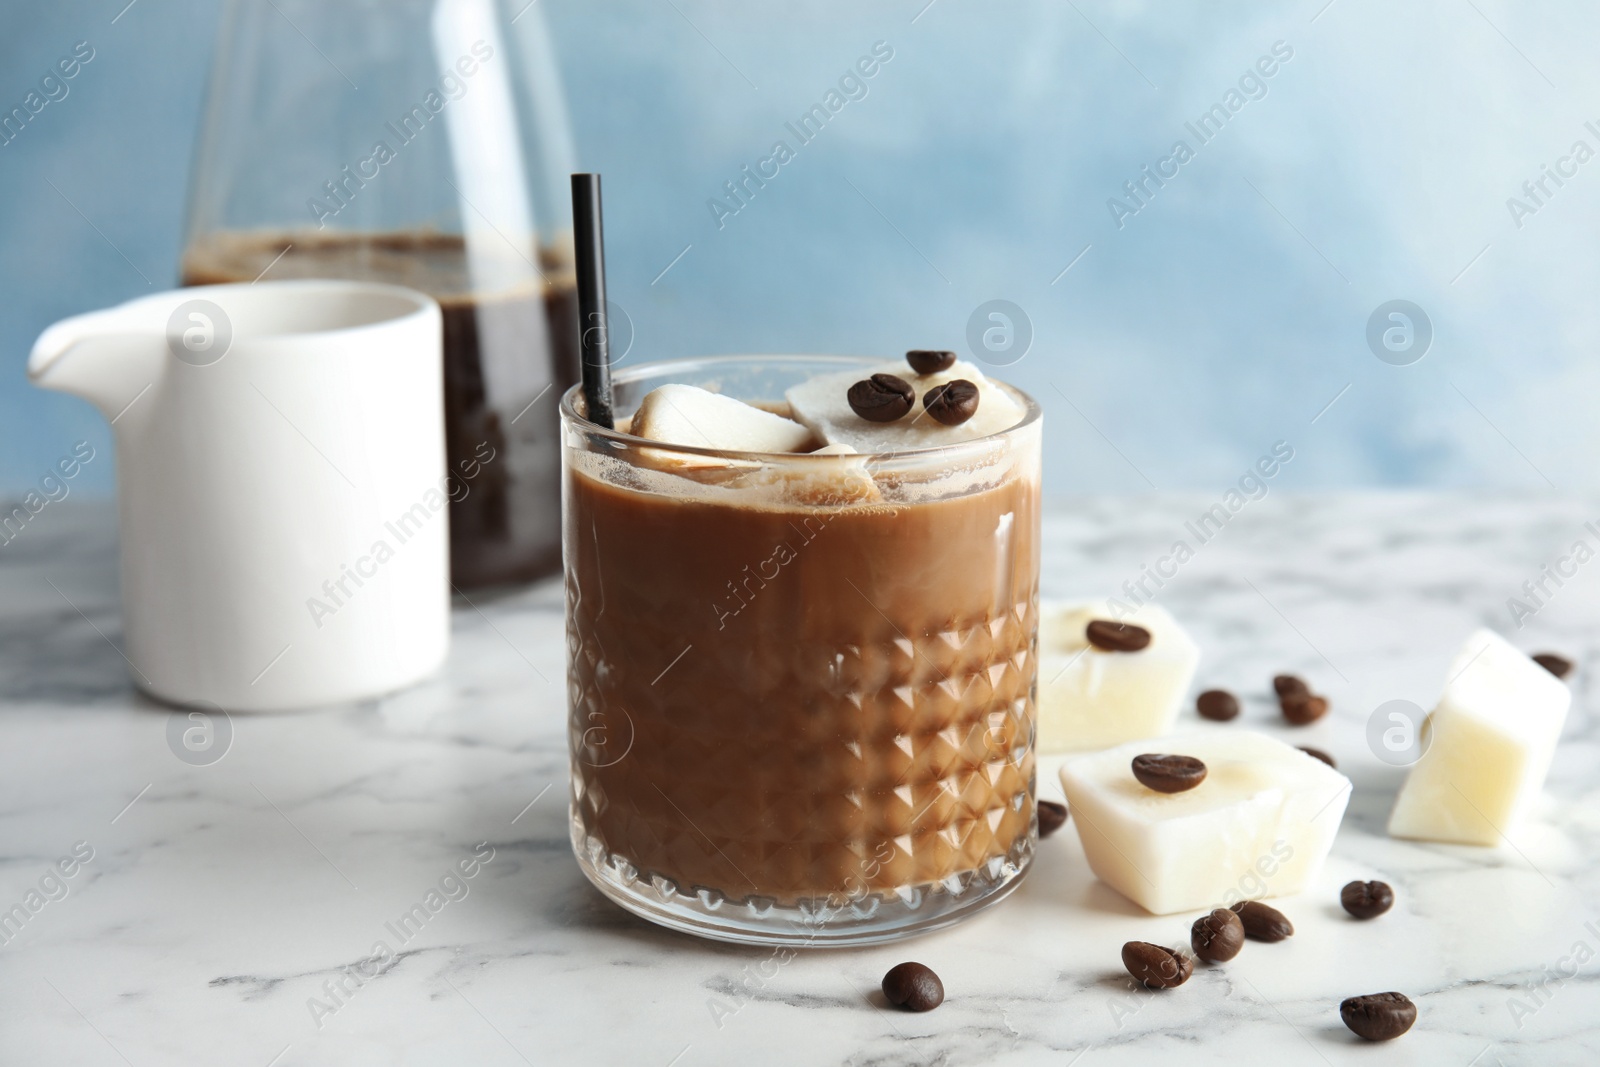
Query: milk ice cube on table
[(689, 415), (1493, 735), (1259, 825), (822, 404), (1089, 698)]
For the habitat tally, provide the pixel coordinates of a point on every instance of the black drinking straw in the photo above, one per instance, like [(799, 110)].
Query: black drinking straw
[(594, 343)]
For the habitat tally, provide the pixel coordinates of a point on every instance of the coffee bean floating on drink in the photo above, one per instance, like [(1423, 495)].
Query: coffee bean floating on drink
[(914, 987), (1217, 937), (1168, 774), (1379, 1016), (1156, 967), (1116, 636), (952, 403), (881, 398), (1317, 753), (1052, 817), (1262, 923), (1560, 666), (1367, 900), (1218, 705), (929, 361)]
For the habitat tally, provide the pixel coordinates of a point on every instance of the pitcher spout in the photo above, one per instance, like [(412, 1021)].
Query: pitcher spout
[(105, 357)]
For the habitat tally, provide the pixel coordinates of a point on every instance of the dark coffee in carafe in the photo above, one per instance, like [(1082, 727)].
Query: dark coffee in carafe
[(510, 351)]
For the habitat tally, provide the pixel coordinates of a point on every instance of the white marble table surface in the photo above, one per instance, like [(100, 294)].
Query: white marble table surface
[(221, 900)]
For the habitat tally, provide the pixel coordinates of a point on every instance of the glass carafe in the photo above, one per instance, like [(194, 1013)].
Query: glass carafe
[(424, 143)]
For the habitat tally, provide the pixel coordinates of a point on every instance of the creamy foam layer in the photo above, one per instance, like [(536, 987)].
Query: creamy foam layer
[(810, 481)]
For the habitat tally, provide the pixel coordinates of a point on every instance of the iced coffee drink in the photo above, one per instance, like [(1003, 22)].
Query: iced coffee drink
[(801, 613)]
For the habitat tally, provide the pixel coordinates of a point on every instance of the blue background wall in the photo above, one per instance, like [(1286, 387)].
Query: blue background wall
[(1222, 317)]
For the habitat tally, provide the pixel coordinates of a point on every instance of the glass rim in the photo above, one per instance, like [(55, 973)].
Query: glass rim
[(1032, 412)]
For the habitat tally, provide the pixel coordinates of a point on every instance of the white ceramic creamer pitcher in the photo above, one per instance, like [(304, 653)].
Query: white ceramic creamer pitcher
[(281, 493)]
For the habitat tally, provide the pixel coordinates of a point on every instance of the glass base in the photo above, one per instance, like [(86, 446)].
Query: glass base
[(821, 922)]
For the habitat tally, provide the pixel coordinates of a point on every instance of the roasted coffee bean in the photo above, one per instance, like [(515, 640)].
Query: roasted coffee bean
[(1367, 900), (1052, 817), (1262, 923), (1217, 937), (881, 398), (1321, 755), (1560, 666), (929, 361), (1156, 967), (1379, 1016), (1168, 774), (953, 402), (1284, 684), (1218, 705), (1116, 636), (1302, 709), (913, 987)]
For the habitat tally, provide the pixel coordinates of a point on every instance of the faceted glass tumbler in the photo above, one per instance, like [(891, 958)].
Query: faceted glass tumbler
[(800, 687)]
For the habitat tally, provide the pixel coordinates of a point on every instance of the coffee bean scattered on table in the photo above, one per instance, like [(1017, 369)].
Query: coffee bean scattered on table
[(1155, 966), (1218, 937), (1052, 817), (1284, 684), (1302, 709), (1367, 900), (1110, 636), (1168, 774), (914, 987), (1218, 705), (1262, 923), (881, 398), (952, 403), (1319, 754), (1379, 1016), (1560, 666), (930, 361)]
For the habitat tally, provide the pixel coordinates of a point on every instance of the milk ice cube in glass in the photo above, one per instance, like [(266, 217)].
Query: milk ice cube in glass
[(822, 405), (688, 415)]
